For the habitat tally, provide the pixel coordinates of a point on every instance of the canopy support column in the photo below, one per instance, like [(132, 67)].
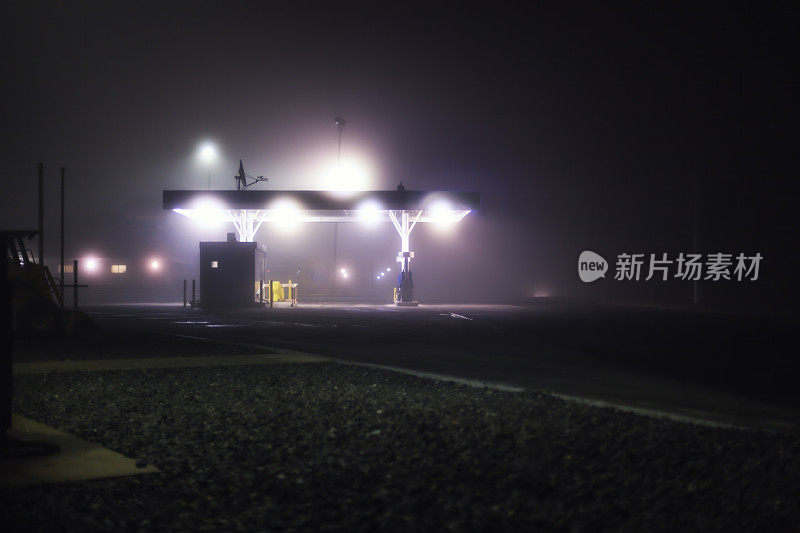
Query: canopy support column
[(404, 222), (247, 222)]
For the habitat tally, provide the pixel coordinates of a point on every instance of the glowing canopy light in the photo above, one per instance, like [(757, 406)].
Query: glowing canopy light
[(206, 210), (443, 215), (91, 264), (154, 264), (247, 210), (370, 212), (284, 212)]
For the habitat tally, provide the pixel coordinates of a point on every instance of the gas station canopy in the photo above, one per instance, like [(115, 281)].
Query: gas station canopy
[(322, 206), (247, 210)]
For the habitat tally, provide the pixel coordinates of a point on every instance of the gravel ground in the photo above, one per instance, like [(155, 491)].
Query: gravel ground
[(330, 446)]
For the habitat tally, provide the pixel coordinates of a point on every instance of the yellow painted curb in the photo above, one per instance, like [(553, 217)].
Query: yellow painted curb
[(78, 460), (285, 357)]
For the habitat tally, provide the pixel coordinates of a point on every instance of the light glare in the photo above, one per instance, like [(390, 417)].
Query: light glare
[(369, 212), (285, 213), (443, 216), (208, 213), (352, 174), (207, 152)]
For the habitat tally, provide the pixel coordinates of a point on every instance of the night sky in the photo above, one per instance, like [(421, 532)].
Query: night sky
[(584, 126)]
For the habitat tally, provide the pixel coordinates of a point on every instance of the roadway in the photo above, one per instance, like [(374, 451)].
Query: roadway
[(706, 367)]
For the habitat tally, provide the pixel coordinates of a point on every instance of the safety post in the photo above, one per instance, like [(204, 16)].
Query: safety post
[(270, 294)]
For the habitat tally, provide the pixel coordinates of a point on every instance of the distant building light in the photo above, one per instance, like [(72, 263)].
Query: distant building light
[(119, 269), (214, 264)]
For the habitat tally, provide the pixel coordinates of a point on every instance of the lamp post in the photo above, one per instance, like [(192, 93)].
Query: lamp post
[(340, 122), (208, 155)]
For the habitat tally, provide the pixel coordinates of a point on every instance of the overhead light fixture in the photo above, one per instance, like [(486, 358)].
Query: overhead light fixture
[(207, 152)]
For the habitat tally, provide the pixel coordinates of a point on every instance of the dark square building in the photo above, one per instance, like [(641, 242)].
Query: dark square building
[(231, 273)]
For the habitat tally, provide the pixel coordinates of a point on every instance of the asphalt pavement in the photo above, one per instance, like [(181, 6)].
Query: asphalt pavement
[(711, 368)]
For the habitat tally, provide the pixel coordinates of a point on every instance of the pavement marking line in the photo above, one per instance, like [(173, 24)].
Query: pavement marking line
[(650, 413), (78, 460), (167, 362), (477, 383), (657, 413), (275, 349)]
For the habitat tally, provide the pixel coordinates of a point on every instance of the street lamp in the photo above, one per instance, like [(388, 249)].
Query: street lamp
[(340, 125), (207, 153), (340, 122)]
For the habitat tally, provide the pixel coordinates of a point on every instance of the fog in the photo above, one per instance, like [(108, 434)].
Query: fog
[(618, 131)]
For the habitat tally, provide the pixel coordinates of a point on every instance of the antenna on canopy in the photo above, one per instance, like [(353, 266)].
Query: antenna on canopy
[(242, 177)]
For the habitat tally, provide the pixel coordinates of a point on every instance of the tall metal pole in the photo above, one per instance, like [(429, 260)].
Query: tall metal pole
[(695, 243), (41, 214), (62, 236), (340, 122), (6, 334), (75, 283), (335, 246)]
